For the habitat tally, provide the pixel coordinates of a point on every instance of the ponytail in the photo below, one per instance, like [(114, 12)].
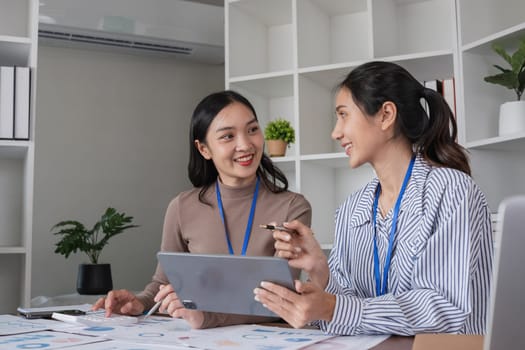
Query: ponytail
[(438, 143)]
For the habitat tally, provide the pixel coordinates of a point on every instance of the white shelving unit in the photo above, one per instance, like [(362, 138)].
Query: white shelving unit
[(286, 56), (18, 47), (498, 161)]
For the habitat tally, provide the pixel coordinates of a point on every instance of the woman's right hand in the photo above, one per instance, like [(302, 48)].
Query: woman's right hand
[(121, 302), (303, 251), (172, 305)]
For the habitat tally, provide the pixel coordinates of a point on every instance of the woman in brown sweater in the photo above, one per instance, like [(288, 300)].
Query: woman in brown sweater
[(236, 188)]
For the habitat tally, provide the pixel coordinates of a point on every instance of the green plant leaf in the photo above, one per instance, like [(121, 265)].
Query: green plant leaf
[(75, 236), (503, 70), (512, 78), (280, 129), (507, 79), (501, 51), (518, 59)]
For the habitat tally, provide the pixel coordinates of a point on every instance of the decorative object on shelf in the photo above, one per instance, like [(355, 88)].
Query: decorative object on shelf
[(278, 134), (93, 278), (512, 113)]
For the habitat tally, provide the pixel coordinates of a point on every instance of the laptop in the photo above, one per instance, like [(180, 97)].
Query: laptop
[(506, 316), (506, 319), (223, 283)]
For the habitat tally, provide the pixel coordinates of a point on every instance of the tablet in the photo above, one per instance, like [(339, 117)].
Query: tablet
[(223, 283)]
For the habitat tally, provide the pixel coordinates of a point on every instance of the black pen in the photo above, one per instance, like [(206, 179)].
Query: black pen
[(276, 227)]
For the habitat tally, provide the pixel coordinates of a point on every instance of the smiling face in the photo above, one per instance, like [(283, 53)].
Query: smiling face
[(234, 142), (360, 135)]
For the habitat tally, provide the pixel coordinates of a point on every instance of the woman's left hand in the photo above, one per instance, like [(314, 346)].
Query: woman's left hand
[(309, 302)]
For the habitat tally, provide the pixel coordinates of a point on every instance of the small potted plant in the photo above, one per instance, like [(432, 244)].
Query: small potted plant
[(278, 134), (93, 278), (512, 113)]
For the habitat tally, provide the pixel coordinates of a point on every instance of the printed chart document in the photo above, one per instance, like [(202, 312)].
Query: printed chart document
[(10, 324), (253, 337), (122, 345), (159, 332), (45, 340), (351, 342), (153, 330)]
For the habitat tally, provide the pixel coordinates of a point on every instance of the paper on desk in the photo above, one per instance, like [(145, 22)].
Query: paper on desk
[(352, 342), (121, 345), (153, 330), (45, 340), (247, 337), (10, 324)]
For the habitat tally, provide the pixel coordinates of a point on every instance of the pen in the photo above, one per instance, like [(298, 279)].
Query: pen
[(276, 227), (153, 309)]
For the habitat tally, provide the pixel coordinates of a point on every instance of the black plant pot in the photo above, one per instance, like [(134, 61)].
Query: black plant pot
[(94, 279)]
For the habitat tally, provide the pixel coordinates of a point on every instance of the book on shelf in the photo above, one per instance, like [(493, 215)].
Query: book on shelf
[(21, 109), (7, 93), (449, 93), (447, 89), (435, 84)]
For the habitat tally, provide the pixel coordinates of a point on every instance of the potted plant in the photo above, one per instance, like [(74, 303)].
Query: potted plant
[(512, 113), (278, 134), (93, 278)]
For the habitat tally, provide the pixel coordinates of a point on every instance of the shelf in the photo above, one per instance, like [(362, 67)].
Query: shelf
[(504, 38), (326, 246), (12, 250), (289, 64), (424, 66), (330, 160), (285, 159), (482, 100), (14, 51), (13, 149), (480, 19), (322, 27), (508, 143), (266, 86), (401, 26), (260, 76), (260, 37)]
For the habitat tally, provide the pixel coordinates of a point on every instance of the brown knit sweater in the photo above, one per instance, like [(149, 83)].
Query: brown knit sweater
[(191, 226)]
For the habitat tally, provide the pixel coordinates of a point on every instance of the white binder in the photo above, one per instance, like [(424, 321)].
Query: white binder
[(7, 83), (22, 94)]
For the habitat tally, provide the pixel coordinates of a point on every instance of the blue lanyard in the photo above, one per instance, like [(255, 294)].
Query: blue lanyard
[(382, 288), (248, 231)]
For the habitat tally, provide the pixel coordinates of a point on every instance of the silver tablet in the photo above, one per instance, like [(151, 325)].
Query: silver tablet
[(223, 283)]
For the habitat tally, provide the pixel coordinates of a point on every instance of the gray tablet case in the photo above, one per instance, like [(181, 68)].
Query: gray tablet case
[(223, 283)]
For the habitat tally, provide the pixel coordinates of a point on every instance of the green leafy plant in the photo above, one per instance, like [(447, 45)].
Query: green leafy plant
[(280, 129), (75, 236), (512, 78)]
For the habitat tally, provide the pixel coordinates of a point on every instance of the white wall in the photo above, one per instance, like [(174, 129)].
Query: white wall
[(111, 130)]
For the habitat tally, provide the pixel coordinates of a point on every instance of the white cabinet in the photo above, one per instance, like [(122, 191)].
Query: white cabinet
[(286, 56), (18, 47), (498, 161)]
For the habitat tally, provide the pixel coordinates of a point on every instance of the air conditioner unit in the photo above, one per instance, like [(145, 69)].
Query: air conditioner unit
[(183, 29)]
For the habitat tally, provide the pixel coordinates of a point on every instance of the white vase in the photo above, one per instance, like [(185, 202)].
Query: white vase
[(512, 118)]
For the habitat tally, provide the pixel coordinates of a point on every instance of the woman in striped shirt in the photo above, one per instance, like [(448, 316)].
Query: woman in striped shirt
[(413, 249)]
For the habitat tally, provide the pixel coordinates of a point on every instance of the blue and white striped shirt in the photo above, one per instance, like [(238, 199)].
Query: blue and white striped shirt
[(441, 268)]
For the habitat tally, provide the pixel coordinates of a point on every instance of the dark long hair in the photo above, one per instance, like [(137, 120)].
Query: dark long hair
[(433, 135), (202, 171)]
